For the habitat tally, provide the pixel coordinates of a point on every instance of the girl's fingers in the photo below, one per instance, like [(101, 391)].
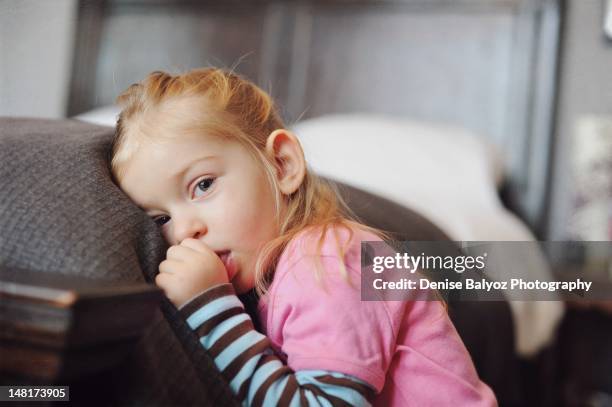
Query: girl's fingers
[(162, 280), (169, 266), (178, 252), (196, 245)]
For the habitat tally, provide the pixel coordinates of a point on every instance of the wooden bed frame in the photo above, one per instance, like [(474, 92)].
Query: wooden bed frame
[(487, 65)]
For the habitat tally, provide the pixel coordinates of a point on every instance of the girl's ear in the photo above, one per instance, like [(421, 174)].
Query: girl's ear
[(285, 149)]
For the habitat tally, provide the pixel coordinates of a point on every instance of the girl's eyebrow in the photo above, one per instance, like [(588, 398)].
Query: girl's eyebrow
[(180, 174)]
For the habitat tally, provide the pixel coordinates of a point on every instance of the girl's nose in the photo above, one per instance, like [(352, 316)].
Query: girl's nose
[(189, 226)]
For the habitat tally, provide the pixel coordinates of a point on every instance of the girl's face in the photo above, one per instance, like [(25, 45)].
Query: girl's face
[(210, 189)]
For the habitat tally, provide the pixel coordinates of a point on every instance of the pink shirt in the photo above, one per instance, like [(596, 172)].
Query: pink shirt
[(408, 351)]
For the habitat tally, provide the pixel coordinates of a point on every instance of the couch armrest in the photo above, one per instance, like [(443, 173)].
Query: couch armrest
[(57, 327)]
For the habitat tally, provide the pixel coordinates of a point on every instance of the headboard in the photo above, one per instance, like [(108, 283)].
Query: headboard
[(488, 65)]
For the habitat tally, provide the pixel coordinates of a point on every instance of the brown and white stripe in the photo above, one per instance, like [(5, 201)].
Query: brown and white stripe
[(246, 360)]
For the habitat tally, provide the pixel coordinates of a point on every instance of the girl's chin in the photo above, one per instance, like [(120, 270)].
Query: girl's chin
[(241, 287)]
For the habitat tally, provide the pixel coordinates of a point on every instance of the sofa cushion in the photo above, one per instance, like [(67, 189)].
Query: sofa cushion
[(60, 212)]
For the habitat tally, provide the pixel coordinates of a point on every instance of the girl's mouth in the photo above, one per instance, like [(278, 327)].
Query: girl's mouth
[(227, 260)]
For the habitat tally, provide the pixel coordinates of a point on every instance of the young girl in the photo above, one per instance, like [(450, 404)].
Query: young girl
[(206, 155)]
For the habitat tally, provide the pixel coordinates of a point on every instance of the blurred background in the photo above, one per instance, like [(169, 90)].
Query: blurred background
[(531, 75), (493, 118)]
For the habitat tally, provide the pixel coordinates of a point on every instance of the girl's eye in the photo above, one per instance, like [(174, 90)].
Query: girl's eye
[(161, 220), (202, 186)]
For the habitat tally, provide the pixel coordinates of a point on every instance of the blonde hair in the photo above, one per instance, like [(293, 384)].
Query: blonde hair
[(235, 108)]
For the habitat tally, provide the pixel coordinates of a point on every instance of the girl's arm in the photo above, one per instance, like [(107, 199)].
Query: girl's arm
[(246, 360)]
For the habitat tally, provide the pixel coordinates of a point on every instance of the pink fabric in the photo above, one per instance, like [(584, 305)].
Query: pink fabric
[(408, 351)]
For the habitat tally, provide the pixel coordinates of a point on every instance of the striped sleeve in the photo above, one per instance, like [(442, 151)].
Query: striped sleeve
[(255, 374)]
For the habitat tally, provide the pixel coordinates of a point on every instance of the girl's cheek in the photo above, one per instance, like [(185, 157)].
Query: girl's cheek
[(166, 234)]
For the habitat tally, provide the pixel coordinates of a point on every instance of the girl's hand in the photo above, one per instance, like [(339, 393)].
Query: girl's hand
[(189, 269)]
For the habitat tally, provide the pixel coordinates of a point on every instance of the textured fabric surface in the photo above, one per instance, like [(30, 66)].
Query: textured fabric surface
[(61, 213)]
